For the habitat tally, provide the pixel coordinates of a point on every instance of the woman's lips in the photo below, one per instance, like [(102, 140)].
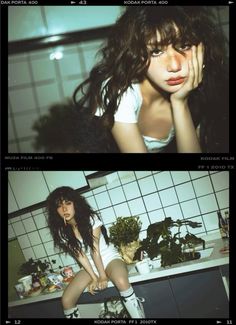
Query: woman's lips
[(175, 81)]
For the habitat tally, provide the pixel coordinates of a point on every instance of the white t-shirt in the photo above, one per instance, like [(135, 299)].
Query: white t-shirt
[(128, 112), (107, 252)]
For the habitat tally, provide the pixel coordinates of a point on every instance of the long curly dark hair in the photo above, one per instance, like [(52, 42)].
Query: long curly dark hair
[(63, 236), (125, 60)]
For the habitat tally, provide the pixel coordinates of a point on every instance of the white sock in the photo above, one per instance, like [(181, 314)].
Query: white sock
[(72, 312), (127, 293)]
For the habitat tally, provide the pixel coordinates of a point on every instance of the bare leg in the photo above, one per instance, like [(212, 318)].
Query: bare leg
[(74, 289), (117, 272)]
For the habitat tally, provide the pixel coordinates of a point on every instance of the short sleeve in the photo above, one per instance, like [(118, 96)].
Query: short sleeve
[(95, 222), (127, 108)]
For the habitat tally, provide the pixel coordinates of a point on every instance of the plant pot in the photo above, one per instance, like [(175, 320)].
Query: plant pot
[(127, 251)]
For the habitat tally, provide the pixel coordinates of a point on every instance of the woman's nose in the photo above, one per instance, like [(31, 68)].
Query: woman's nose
[(64, 208), (174, 63)]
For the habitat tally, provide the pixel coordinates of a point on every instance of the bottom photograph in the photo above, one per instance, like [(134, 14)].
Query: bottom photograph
[(118, 244)]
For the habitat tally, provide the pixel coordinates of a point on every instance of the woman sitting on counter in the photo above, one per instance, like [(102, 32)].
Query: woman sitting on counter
[(78, 231)]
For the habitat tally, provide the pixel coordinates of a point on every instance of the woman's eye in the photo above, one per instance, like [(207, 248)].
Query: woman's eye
[(184, 47), (156, 52)]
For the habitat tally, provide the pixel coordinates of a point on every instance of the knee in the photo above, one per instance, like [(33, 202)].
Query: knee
[(67, 302), (122, 283)]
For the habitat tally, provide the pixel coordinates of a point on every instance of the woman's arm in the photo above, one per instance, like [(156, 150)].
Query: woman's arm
[(84, 261), (186, 135), (128, 138), (96, 256)]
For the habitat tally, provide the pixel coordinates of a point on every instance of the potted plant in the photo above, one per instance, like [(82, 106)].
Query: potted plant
[(35, 266), (124, 234), (170, 246)]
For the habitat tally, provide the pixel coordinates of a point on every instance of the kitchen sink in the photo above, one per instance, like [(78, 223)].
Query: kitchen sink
[(157, 262)]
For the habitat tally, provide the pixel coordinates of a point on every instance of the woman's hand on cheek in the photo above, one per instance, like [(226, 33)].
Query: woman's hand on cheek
[(195, 66)]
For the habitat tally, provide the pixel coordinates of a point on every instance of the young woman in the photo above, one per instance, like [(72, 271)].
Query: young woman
[(78, 230), (162, 77)]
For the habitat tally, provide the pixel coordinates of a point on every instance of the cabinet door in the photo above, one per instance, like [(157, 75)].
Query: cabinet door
[(159, 300), (201, 295), (28, 187), (74, 179)]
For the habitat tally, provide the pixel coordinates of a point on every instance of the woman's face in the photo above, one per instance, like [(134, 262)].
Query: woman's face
[(168, 68), (66, 210)]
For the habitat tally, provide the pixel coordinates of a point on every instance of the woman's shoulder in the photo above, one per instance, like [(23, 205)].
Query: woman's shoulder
[(130, 104)]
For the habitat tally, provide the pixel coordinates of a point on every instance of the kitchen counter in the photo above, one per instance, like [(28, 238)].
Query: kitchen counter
[(215, 259)]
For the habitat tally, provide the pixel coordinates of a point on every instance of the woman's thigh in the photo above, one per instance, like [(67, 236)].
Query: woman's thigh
[(75, 288), (117, 272)]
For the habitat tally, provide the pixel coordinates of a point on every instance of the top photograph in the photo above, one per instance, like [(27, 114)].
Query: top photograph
[(118, 79)]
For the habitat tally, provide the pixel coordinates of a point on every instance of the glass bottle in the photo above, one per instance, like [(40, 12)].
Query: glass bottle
[(222, 225)]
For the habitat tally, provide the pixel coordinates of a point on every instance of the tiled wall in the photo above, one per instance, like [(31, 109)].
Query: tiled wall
[(152, 195), (36, 82)]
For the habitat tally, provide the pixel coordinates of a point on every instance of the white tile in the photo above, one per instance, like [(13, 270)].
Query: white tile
[(131, 190), (144, 220), (28, 253), (24, 123), (126, 176), (207, 203), (103, 200), (26, 146), (156, 216), (43, 69), (117, 195), (220, 180), (185, 191), (69, 64), (45, 234), (202, 186), (174, 212), (34, 238), (67, 260), (48, 94), (90, 58), (147, 185), (141, 174), (39, 251), (18, 73), (197, 174), (152, 201), (22, 100), (49, 248), (29, 224), (190, 208), (40, 221), (11, 233), (18, 228), (136, 207), (168, 197), (91, 201), (180, 177), (23, 241), (108, 215), (223, 199), (163, 180), (122, 210), (211, 221)]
